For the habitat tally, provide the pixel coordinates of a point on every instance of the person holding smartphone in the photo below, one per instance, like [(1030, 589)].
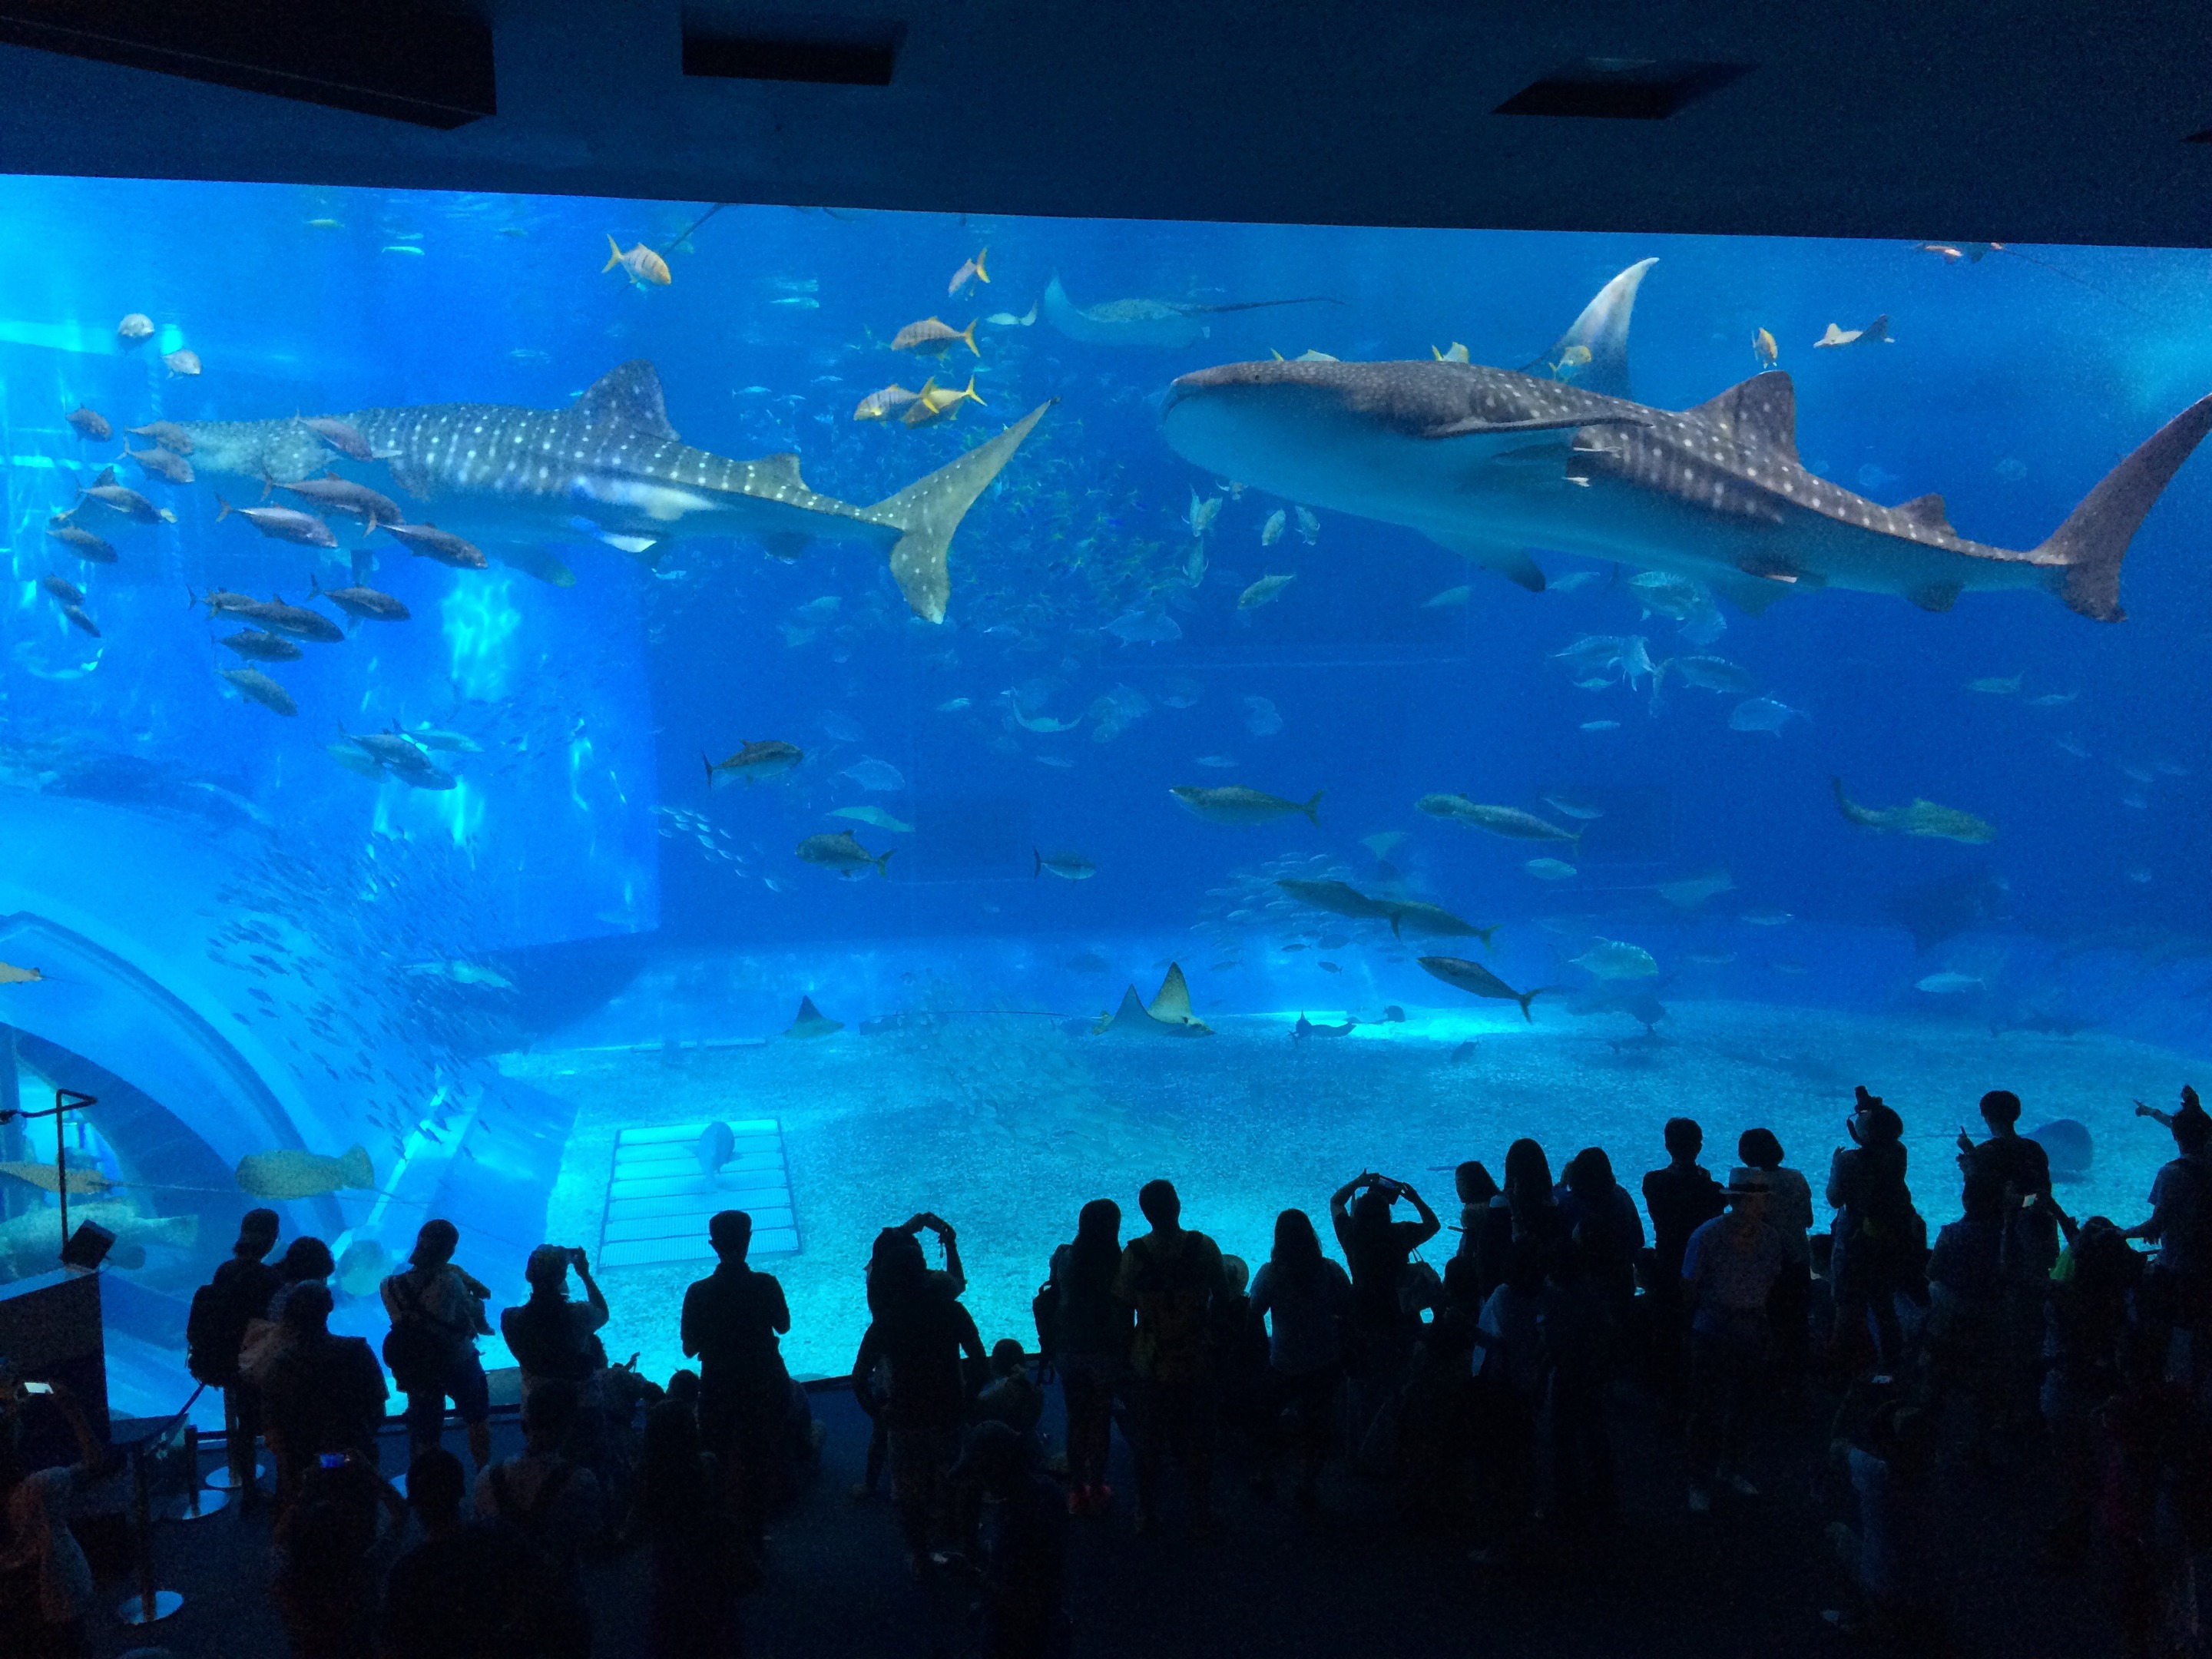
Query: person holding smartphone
[(46, 1583)]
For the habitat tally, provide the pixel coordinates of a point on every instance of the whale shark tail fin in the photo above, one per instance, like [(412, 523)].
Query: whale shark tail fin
[(2088, 547), (1601, 330), (929, 510)]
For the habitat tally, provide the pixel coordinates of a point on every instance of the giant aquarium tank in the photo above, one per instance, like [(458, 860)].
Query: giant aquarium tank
[(1078, 701)]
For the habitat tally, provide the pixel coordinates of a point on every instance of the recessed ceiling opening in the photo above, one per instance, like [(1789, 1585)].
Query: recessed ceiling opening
[(1622, 88), (824, 51)]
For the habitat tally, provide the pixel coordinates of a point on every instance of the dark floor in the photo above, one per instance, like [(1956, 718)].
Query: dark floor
[(1749, 1580)]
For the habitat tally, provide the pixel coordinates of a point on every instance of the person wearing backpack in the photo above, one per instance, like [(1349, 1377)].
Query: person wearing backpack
[(557, 1506), (215, 1329), (437, 1312), (325, 1392)]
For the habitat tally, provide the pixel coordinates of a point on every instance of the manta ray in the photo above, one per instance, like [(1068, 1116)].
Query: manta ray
[(1170, 1014), (1491, 462), (610, 465), (1169, 322)]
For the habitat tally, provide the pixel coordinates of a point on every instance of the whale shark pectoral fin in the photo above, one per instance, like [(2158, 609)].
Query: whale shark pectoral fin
[(1513, 563), (1603, 330), (1935, 596), (1755, 590), (628, 394), (929, 510)]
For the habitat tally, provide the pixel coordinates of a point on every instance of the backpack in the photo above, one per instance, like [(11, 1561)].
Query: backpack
[(214, 1330), (419, 1348), (1045, 1312)]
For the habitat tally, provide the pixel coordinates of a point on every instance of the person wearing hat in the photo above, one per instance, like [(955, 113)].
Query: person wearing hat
[(1025, 1560), (1879, 1237), (1729, 1271)]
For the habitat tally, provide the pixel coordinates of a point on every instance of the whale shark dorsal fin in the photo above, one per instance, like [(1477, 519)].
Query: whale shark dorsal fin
[(1172, 1006), (1761, 411), (1925, 510), (1603, 330), (630, 396)]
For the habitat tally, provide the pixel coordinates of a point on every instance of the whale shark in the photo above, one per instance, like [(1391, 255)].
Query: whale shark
[(1491, 463), (610, 466)]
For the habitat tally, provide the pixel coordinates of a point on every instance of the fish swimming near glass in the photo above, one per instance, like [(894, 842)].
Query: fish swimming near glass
[(292, 1172), (1167, 1015), (1490, 462), (1917, 817), (768, 757), (1478, 980), (610, 461)]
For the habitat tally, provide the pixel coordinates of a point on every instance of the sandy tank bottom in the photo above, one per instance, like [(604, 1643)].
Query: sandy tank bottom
[(1006, 1127)]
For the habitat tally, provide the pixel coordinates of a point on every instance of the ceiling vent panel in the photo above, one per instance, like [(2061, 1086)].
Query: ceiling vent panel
[(824, 51), (1622, 88)]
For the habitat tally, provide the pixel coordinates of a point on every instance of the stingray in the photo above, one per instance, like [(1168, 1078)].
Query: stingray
[(2068, 1145), (811, 1022), (1170, 1014), (1147, 322)]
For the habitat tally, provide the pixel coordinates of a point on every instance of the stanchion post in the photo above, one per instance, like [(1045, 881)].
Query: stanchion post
[(150, 1603)]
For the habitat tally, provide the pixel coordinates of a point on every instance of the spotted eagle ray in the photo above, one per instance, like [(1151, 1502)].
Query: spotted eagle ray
[(1170, 1014), (1490, 462), (1170, 323), (610, 465)]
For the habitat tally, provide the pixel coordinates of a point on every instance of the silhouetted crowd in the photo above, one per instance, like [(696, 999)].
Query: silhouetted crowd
[(1487, 1398)]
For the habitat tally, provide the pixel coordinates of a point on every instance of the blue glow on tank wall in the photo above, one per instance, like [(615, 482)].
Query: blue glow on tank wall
[(481, 623)]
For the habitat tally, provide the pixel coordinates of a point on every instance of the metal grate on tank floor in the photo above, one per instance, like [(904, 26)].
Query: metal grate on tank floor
[(659, 1198)]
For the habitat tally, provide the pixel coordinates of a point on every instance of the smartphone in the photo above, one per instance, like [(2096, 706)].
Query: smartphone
[(38, 1387), (332, 1459)]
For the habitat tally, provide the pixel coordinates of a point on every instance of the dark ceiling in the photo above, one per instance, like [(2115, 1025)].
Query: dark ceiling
[(2051, 120)]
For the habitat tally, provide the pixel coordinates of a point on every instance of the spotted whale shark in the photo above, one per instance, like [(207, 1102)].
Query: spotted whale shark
[(610, 465), (1492, 462)]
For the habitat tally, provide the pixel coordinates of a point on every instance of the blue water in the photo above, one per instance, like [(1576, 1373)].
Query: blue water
[(251, 946)]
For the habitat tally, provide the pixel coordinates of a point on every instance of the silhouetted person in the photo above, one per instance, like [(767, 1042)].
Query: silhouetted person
[(437, 1312), (1789, 1213), (1877, 1236), (1581, 1316), (921, 1332), (1513, 1373), (325, 1392), (1729, 1271), (306, 1259), (1302, 1299), (733, 1320), (2178, 1285), (45, 1582), (552, 1337), (1481, 1207), (1681, 1197), (1887, 1551), (692, 1605), (2021, 1170), (1172, 1277), (328, 1580), (1091, 1334), (1011, 1396), (2091, 1292), (238, 1294), (1376, 1250), (554, 1502), (467, 1591), (1968, 1348), (1025, 1554), (1602, 1219)]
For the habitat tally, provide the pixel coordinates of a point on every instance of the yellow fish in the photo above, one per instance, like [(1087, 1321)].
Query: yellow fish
[(47, 1179), (1572, 361), (933, 336), (642, 264), (11, 974), (1456, 355), (933, 402), (1764, 348), (969, 269), (881, 405)]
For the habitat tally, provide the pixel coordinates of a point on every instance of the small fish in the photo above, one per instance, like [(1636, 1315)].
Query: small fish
[(1455, 353), (970, 271), (1267, 590), (1570, 581), (1058, 763), (1412, 916), (1272, 531), (168, 434), (1308, 525), (1550, 869), (1993, 687), (363, 604), (158, 463), (2073, 746), (63, 589), (1949, 984), (181, 362), (1477, 980), (641, 265), (283, 523), (1145, 628), (1007, 319), (1220, 762), (798, 302), (843, 855), (1197, 518), (879, 777), (1767, 918), (1876, 331), (134, 331), (933, 337), (1692, 892), (427, 541), (1068, 866), (881, 405), (258, 687), (291, 1173), (2052, 700), (339, 436), (1573, 806), (89, 424), (332, 494), (451, 743), (401, 247), (768, 758), (934, 401), (1943, 251), (954, 705), (1763, 350), (1234, 803), (1763, 714), (1920, 818), (1601, 725), (80, 620), (1575, 359), (1450, 598), (1508, 821), (120, 498), (1613, 959), (874, 815)]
